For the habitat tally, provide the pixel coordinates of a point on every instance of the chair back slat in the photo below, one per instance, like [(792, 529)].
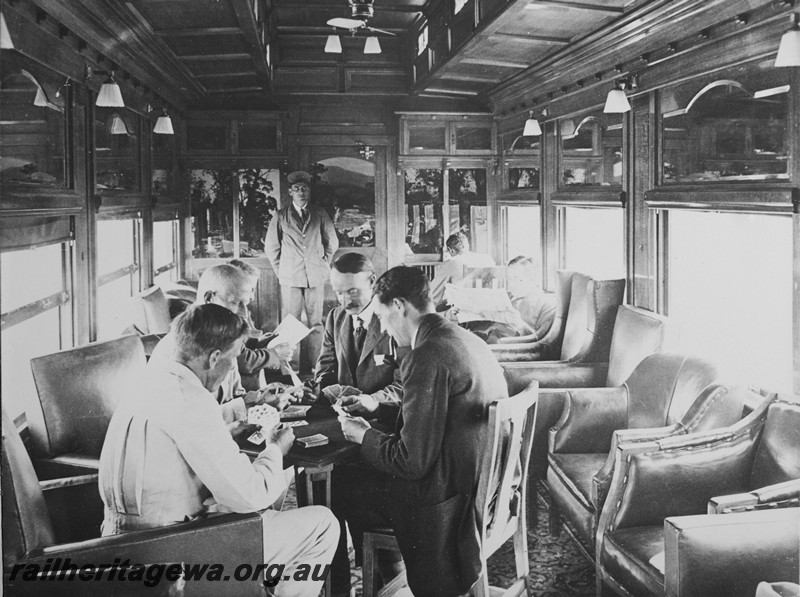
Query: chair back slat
[(502, 486)]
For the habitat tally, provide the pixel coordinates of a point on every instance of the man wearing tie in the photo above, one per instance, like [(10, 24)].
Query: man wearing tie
[(300, 244), (355, 352)]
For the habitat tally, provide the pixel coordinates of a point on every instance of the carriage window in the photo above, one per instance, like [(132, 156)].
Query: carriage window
[(165, 251), (36, 318), (163, 165), (521, 229), (31, 133), (422, 40), (730, 293), (591, 151), (727, 132), (118, 259), (467, 206), (423, 206), (594, 241), (116, 150)]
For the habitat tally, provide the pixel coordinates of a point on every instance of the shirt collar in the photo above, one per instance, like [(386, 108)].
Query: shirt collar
[(365, 316), (299, 209)]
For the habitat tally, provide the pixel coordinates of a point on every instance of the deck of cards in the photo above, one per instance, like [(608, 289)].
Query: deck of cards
[(264, 415), (312, 441), (336, 391), (295, 411)]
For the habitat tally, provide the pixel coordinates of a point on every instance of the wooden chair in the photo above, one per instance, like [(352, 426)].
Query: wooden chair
[(500, 502)]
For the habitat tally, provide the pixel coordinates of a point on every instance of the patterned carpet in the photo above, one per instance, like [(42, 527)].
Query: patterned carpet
[(557, 569)]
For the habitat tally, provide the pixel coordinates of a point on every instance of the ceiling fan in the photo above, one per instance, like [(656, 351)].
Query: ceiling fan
[(361, 11)]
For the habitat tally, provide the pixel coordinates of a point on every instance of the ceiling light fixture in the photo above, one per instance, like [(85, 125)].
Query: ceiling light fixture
[(617, 101), (333, 45), (532, 127), (164, 124), (789, 50), (110, 95), (372, 45), (5, 37)]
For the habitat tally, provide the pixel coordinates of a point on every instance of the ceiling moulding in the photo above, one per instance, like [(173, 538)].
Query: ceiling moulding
[(143, 54), (592, 60)]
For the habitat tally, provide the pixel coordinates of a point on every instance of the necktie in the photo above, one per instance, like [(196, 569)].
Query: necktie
[(303, 214), (359, 333)]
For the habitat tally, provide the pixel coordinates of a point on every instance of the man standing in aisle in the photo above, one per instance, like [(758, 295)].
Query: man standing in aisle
[(422, 478), (300, 244)]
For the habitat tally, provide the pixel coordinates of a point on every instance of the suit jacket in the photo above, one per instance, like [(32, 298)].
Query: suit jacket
[(376, 368), (449, 379), (301, 254)]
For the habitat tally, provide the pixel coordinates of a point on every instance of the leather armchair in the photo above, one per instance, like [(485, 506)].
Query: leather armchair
[(79, 389), (637, 334), (36, 533), (540, 349), (680, 476), (666, 395), (588, 327)]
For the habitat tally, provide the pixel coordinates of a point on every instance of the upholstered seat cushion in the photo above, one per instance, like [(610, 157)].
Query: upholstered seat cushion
[(569, 478), (627, 555)]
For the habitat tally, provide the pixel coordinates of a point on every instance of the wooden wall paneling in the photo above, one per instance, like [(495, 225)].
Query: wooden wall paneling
[(794, 161), (641, 272), (549, 183)]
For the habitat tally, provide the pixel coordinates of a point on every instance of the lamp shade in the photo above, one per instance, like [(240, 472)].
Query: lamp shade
[(110, 95), (532, 128), (789, 50), (333, 45), (41, 99), (164, 125), (5, 37), (617, 102), (118, 126), (372, 45)]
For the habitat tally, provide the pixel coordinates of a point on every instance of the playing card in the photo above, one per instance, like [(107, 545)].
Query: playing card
[(257, 438), (294, 411), (293, 424), (336, 391), (263, 415), (313, 441)]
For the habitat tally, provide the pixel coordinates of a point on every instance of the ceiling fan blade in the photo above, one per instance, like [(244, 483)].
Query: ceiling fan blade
[(343, 23), (381, 31)]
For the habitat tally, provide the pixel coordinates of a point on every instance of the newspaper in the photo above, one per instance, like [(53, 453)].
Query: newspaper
[(474, 304), (290, 331)]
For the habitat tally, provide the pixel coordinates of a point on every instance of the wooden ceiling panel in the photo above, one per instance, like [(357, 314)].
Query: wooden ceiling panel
[(199, 46), (177, 14), (203, 68), (232, 81), (556, 21)]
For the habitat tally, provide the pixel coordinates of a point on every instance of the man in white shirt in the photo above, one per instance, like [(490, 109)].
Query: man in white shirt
[(168, 456), (229, 287), (452, 270)]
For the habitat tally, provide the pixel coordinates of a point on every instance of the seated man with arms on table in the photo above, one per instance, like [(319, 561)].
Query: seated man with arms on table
[(452, 270), (536, 308), (167, 453), (229, 287), (256, 357), (355, 351), (422, 478)]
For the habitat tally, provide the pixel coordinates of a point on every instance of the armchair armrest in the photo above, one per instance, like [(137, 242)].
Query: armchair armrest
[(549, 407), (228, 540), (554, 374), (518, 339), (675, 476), (588, 421), (601, 482), (522, 352), (778, 495), (75, 507), (65, 466), (712, 556)]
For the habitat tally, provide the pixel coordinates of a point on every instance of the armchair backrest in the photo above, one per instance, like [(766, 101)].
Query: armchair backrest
[(777, 457), (637, 333), (664, 386), (502, 486), (590, 319), (555, 334), (26, 523), (79, 389), (150, 311)]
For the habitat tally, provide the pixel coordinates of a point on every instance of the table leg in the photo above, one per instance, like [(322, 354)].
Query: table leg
[(304, 481)]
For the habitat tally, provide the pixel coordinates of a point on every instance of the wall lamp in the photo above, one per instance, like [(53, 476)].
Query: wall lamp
[(110, 95), (789, 50), (616, 101), (163, 124), (532, 126)]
